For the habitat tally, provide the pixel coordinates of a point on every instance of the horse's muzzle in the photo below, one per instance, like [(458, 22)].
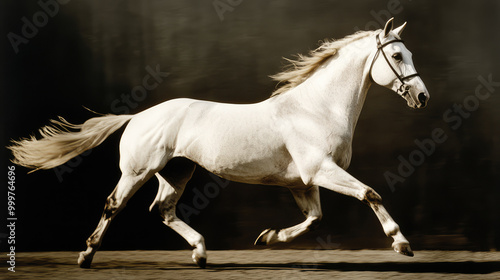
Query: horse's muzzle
[(423, 99)]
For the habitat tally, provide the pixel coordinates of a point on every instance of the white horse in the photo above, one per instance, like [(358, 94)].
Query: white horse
[(300, 138)]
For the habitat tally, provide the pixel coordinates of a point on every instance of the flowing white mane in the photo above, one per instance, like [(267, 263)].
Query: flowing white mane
[(297, 71)]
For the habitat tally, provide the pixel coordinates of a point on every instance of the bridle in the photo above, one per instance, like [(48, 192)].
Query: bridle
[(404, 88)]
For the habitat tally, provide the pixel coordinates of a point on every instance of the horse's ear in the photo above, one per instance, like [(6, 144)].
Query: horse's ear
[(400, 29), (388, 27)]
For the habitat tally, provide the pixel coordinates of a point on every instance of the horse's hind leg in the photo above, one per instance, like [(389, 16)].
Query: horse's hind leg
[(172, 180), (309, 203), (115, 202)]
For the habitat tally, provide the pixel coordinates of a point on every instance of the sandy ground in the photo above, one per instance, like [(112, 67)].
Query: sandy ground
[(260, 264)]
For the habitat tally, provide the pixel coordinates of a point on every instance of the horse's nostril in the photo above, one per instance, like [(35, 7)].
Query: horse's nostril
[(422, 98)]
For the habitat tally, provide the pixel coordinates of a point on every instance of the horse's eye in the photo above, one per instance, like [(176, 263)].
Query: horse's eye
[(397, 56)]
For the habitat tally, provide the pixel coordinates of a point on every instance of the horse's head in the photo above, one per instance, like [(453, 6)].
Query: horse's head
[(392, 67)]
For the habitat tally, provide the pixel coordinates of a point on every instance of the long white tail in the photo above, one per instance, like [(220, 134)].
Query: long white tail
[(58, 144)]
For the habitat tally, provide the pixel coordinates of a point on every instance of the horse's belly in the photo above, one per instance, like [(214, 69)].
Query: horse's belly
[(246, 161), (266, 172)]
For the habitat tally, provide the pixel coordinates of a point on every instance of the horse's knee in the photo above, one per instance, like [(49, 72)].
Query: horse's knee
[(371, 197), (167, 213), (168, 218), (112, 207)]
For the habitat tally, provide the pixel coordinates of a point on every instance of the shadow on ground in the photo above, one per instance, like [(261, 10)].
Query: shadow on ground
[(466, 267), (419, 267)]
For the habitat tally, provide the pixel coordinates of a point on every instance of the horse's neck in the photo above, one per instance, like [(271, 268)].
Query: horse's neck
[(337, 90)]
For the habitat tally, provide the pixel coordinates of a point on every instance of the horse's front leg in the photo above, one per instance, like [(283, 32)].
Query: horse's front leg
[(332, 177)]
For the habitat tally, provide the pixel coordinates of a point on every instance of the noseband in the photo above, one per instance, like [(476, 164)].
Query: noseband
[(404, 89)]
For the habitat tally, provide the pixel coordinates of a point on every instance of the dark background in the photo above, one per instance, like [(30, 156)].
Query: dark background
[(92, 52)]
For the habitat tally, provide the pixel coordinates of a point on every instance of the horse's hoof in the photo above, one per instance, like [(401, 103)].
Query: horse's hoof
[(403, 249), (83, 262), (261, 240), (200, 261)]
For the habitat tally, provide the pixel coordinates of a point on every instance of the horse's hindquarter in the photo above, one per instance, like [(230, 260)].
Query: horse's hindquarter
[(237, 142), (149, 139)]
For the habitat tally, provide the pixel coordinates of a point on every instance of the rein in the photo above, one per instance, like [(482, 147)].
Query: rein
[(404, 89)]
